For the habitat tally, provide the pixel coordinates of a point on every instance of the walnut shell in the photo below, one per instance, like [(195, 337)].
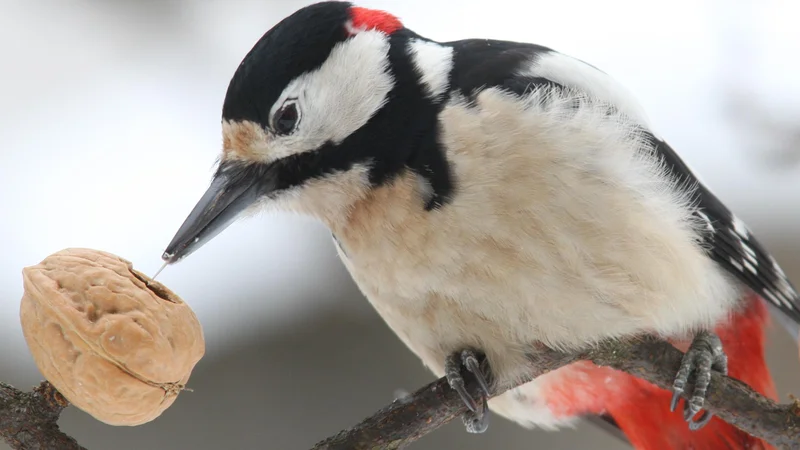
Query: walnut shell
[(117, 344)]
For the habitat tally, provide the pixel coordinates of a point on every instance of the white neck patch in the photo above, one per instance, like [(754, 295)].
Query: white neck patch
[(433, 63)]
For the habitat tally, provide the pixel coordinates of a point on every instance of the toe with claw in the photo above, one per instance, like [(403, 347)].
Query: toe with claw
[(705, 355), (476, 420)]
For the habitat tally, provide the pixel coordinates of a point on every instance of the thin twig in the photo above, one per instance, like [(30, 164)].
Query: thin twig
[(406, 420), (29, 420)]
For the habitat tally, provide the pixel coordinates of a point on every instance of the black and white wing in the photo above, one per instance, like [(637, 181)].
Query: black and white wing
[(732, 245), (521, 67)]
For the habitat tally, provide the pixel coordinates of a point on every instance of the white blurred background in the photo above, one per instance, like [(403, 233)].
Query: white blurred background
[(109, 128)]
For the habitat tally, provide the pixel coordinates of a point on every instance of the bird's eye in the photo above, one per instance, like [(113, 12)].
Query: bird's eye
[(286, 119)]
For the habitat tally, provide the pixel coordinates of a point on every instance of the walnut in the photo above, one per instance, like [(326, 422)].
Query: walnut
[(117, 344)]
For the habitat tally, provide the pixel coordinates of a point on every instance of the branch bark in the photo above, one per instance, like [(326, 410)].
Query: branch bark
[(28, 420), (406, 420)]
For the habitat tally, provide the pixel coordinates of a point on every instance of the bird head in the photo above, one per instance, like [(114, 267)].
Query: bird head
[(331, 102)]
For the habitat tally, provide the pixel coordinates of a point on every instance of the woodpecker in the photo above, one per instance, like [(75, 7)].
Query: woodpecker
[(489, 197)]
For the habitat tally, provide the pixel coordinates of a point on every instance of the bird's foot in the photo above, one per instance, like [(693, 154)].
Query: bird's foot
[(476, 420), (704, 355)]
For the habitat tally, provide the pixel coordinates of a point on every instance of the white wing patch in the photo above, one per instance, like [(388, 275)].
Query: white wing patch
[(737, 264), (740, 228), (433, 63), (575, 73), (750, 254), (780, 292)]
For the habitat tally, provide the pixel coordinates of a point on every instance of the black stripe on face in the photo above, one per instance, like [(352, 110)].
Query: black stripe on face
[(402, 135), (405, 133)]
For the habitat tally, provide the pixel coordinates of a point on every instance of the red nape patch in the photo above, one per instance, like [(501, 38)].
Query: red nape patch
[(363, 19)]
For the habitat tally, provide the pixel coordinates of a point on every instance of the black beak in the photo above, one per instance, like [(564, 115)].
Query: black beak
[(230, 193)]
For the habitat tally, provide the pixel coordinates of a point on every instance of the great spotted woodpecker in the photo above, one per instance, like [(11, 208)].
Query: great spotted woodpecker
[(487, 195)]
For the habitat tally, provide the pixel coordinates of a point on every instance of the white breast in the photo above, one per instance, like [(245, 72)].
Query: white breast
[(562, 230)]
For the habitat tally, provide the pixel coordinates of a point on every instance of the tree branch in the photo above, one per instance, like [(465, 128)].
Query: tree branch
[(28, 420), (406, 420)]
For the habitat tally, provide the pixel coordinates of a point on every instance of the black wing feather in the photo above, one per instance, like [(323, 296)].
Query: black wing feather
[(731, 244)]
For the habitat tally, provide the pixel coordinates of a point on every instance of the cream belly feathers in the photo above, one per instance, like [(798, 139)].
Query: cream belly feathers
[(469, 275)]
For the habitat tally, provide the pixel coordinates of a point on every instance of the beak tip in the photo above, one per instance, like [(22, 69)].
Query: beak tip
[(218, 208), (167, 257)]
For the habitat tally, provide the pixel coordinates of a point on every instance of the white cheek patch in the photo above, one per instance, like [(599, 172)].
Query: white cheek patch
[(433, 63), (340, 96)]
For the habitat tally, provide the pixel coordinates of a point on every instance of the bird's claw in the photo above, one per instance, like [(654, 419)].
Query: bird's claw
[(704, 355), (476, 420)]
